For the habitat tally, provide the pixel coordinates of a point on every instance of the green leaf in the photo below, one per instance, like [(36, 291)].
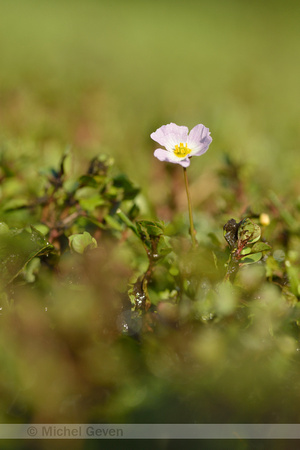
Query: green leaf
[(70, 186), (90, 204), (133, 212), (113, 193), (15, 203), (149, 228), (130, 191), (113, 223), (80, 243), (88, 181), (246, 251), (66, 163), (100, 165), (17, 248), (89, 198), (32, 269), (163, 248), (260, 247), (250, 259), (255, 248), (86, 192), (248, 231), (41, 228)]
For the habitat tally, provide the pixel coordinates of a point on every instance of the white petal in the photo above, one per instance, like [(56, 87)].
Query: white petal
[(204, 147), (185, 162), (170, 135), (164, 155), (199, 140)]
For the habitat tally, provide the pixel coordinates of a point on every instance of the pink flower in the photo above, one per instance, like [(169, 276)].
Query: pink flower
[(180, 144)]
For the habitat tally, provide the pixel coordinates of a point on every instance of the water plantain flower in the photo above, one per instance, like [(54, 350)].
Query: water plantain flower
[(180, 144)]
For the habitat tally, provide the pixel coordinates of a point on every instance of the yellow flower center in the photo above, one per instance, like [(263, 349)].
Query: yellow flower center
[(181, 150)]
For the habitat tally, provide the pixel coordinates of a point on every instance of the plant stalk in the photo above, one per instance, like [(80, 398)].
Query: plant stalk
[(192, 229)]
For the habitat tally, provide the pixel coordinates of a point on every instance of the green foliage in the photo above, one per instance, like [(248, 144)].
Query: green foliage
[(98, 291), (248, 232), (152, 236), (80, 243), (243, 240), (144, 328), (17, 248)]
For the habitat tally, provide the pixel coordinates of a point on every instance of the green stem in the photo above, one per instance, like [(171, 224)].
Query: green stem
[(192, 229), (127, 221)]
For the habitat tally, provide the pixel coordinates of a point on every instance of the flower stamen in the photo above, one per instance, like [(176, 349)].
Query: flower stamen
[(181, 150)]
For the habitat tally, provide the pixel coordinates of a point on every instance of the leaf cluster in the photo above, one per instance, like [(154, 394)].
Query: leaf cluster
[(106, 302)]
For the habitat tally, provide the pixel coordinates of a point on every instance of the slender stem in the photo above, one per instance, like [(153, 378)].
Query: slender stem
[(192, 229)]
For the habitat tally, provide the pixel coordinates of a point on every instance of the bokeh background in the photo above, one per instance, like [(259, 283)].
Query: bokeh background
[(98, 76), (102, 75)]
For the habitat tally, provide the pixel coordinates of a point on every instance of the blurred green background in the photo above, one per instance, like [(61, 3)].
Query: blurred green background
[(101, 75)]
